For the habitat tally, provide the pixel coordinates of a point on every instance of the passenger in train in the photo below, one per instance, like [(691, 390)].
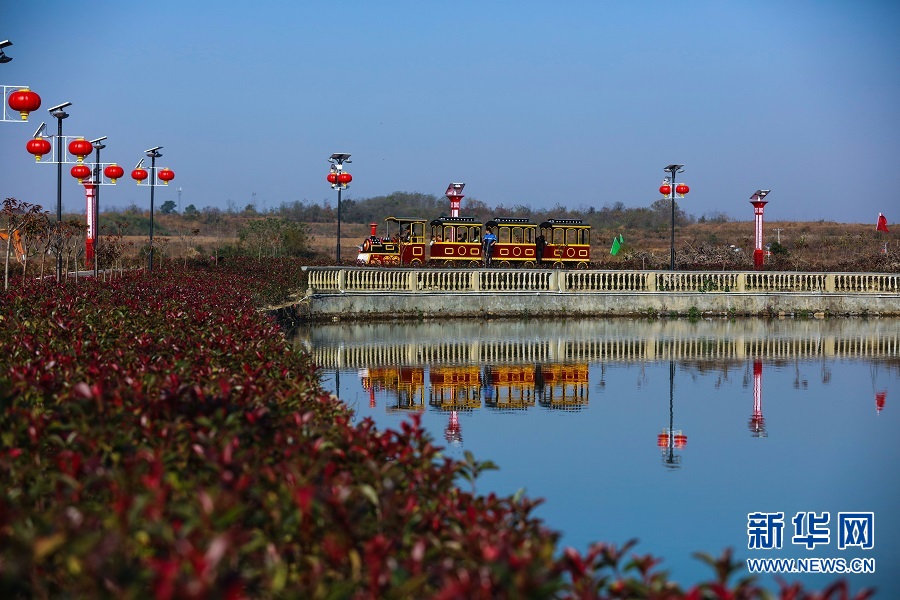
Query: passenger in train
[(539, 244)]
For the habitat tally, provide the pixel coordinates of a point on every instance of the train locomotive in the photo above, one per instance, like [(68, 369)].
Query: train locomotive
[(458, 242)]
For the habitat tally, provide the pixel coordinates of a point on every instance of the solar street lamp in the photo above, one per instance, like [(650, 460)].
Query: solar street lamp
[(669, 188), (58, 112), (139, 174), (339, 180)]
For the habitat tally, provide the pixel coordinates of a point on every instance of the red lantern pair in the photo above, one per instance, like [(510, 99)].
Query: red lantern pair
[(681, 189), (24, 101), (166, 175), (341, 178)]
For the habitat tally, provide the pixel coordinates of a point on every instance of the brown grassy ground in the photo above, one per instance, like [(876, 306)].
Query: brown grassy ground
[(814, 246)]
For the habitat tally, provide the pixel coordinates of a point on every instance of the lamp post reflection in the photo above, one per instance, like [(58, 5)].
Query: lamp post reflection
[(671, 439)]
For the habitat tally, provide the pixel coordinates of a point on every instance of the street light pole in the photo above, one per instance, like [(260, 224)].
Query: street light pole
[(59, 113), (669, 188), (339, 180), (153, 154), (98, 146)]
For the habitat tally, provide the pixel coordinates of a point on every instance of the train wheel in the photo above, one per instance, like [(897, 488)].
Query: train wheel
[(415, 263), (582, 266), (528, 264), (558, 264), (473, 264), (503, 263)]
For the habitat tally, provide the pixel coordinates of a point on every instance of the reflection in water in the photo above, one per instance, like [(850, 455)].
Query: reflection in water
[(757, 421), (671, 439), (570, 410), (513, 366)]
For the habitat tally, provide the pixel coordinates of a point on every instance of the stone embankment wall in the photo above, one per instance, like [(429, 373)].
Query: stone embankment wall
[(368, 293)]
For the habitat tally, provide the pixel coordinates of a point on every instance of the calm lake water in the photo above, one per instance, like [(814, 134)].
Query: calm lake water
[(686, 436)]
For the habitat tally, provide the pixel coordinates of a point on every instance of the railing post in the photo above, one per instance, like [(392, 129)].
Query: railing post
[(651, 282), (830, 282), (412, 279), (741, 282), (340, 280), (475, 280)]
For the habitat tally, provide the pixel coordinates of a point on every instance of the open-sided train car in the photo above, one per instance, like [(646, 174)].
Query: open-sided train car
[(515, 242), (456, 241), (568, 243)]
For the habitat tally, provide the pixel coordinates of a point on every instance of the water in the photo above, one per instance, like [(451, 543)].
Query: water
[(670, 432)]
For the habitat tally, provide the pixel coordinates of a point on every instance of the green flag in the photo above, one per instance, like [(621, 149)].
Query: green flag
[(616, 245)]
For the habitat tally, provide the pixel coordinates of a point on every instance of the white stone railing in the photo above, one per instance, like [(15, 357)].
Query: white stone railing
[(368, 279)]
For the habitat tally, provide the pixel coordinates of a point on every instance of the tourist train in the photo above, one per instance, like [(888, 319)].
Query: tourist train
[(458, 242)]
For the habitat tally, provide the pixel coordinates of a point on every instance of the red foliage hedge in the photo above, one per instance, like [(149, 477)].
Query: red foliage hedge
[(159, 438)]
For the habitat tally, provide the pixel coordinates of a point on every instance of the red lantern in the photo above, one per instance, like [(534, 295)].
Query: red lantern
[(139, 175), (662, 440), (682, 189), (166, 175), (24, 101), (680, 440), (113, 171), (332, 178), (80, 148), (665, 189), (345, 178), (81, 172), (38, 147)]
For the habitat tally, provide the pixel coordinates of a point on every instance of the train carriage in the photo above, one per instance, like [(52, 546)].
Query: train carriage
[(568, 243), (515, 241), (402, 244), (456, 241)]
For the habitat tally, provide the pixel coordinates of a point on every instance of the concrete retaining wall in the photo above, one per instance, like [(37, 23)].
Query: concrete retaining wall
[(336, 293)]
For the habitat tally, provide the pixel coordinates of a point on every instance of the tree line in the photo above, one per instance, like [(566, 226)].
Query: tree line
[(656, 216)]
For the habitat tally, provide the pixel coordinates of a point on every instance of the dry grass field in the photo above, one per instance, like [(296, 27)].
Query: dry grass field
[(815, 246)]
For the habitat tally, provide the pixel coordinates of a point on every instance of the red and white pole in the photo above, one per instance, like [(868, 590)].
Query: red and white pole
[(454, 193), (758, 254), (91, 223), (759, 204)]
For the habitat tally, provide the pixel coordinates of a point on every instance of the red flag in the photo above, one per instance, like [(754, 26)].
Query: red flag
[(882, 223)]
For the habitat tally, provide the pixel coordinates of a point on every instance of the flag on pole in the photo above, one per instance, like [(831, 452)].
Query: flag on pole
[(882, 223), (617, 244)]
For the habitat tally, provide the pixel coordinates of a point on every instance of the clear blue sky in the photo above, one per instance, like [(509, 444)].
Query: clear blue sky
[(579, 103)]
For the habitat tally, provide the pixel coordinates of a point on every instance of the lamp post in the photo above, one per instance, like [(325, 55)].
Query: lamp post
[(339, 180), (165, 175), (670, 188), (94, 212), (759, 204), (59, 113)]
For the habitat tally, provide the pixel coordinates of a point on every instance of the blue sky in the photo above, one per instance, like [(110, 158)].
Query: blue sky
[(578, 103)]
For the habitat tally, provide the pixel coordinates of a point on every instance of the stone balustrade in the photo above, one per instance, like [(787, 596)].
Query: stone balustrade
[(338, 279), (341, 292)]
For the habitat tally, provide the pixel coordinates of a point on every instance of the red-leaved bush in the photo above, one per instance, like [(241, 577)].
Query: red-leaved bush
[(160, 438)]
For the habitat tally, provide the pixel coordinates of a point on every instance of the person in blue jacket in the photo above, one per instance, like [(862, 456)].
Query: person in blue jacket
[(488, 246)]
